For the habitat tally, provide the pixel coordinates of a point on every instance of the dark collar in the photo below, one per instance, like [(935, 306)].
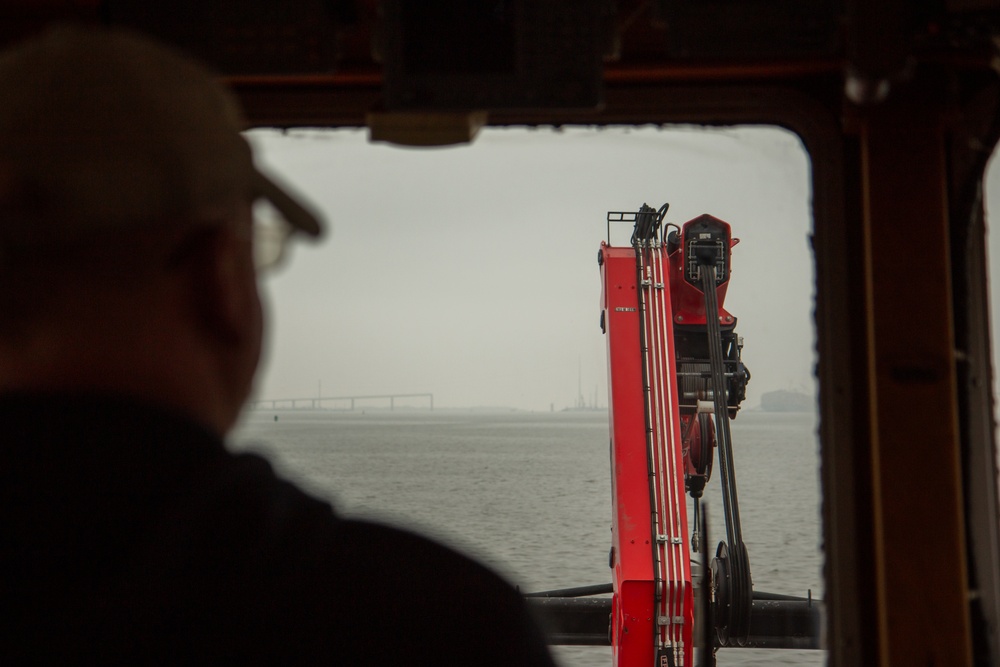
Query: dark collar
[(81, 474), (80, 439)]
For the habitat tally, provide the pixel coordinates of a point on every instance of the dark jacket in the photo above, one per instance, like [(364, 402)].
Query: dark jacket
[(132, 535)]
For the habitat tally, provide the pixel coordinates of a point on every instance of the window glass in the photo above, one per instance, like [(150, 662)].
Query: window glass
[(444, 350)]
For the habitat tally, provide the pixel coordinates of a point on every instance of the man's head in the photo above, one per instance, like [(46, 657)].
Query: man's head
[(126, 234)]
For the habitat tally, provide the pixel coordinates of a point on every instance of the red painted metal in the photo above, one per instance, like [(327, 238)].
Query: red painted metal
[(642, 620), (698, 452), (688, 300)]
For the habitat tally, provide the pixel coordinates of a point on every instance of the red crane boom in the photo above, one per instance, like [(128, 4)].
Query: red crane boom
[(671, 369)]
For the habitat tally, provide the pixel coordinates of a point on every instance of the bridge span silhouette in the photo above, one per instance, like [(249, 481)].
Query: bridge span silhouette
[(330, 402)]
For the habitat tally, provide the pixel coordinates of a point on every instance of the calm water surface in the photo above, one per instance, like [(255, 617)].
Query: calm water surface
[(529, 493)]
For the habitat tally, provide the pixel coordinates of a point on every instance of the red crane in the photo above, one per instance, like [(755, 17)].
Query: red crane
[(675, 379)]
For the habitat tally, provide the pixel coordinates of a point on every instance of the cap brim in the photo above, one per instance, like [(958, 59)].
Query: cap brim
[(297, 214)]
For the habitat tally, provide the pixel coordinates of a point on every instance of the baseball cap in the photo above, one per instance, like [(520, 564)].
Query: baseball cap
[(103, 129)]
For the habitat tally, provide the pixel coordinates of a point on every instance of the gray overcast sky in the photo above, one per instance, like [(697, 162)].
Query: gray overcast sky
[(470, 272)]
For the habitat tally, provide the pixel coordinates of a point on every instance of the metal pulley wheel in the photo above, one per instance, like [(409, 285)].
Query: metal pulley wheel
[(703, 446), (733, 594)]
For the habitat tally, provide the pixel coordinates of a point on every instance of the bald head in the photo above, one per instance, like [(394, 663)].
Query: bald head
[(126, 254)]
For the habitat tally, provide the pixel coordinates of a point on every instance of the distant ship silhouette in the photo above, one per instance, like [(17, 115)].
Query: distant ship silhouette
[(787, 401)]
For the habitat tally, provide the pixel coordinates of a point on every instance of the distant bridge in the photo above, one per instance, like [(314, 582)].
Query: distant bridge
[(317, 402)]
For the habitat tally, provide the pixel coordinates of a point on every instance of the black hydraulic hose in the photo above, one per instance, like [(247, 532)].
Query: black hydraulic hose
[(740, 602), (575, 592), (644, 353), (660, 215), (706, 622), (731, 506), (645, 225)]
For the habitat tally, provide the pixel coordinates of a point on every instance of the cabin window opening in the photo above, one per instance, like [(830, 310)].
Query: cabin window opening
[(437, 360)]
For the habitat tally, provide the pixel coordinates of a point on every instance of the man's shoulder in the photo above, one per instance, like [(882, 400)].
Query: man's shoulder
[(175, 547), (295, 535), (345, 586)]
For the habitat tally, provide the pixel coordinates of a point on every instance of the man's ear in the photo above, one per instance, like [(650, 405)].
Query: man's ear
[(223, 285)]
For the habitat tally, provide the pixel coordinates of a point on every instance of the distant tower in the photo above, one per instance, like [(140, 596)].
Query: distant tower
[(581, 402)]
